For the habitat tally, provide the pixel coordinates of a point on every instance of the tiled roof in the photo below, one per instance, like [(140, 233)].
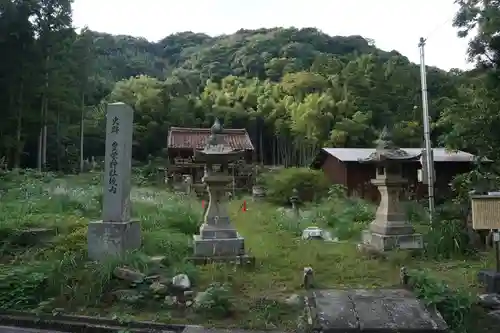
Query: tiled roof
[(196, 138), (440, 154)]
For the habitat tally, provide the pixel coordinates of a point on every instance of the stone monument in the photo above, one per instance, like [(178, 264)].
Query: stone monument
[(116, 233), (390, 229), (218, 239)]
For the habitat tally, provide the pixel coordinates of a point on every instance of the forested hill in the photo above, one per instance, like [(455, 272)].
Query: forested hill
[(264, 53), (294, 90), (333, 91)]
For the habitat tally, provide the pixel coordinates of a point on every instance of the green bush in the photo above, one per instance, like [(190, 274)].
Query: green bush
[(346, 217), (216, 301), (311, 184), (447, 236), (454, 305)]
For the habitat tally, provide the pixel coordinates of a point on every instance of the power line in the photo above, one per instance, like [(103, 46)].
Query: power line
[(438, 27)]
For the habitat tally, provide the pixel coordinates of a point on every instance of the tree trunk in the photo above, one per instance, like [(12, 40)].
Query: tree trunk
[(45, 113), (82, 119), (19, 144), (58, 141)]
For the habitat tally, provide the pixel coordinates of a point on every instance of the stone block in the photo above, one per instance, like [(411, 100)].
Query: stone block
[(218, 247), (210, 232), (383, 242), (382, 310), (241, 260), (112, 239), (34, 236), (490, 279)]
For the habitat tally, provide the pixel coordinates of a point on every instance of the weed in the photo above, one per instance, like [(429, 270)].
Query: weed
[(454, 305)]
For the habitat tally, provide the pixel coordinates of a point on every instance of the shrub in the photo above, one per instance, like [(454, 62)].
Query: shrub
[(347, 217), (447, 236), (454, 305), (311, 184), (216, 301)]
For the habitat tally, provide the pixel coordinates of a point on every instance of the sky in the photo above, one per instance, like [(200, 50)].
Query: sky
[(392, 24)]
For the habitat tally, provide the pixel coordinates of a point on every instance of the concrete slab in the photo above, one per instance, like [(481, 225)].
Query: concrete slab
[(365, 310)]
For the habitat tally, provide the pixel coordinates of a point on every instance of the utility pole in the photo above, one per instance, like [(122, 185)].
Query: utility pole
[(429, 160)]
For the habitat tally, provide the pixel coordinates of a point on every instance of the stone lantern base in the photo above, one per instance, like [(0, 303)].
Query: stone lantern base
[(391, 228), (382, 242)]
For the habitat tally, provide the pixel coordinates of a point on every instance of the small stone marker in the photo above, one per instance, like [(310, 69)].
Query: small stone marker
[(116, 234)]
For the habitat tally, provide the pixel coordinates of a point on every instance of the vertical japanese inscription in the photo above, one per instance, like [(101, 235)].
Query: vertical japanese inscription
[(115, 125), (113, 174)]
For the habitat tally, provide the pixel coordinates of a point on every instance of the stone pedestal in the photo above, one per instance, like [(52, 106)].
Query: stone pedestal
[(116, 233), (390, 229), (217, 236), (107, 239)]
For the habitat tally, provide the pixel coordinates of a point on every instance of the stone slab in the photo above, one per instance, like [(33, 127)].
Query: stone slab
[(112, 239), (383, 242), (118, 163), (208, 231), (243, 260), (490, 279), (218, 247), (11, 329), (199, 329), (363, 310)]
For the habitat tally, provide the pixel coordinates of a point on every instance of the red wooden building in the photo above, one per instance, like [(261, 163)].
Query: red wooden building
[(183, 141), (341, 166)]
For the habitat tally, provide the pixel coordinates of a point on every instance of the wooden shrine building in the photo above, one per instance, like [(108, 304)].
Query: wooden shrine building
[(342, 166), (183, 141)]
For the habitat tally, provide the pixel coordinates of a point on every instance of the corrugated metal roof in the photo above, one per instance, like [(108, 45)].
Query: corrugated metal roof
[(196, 138), (440, 154)]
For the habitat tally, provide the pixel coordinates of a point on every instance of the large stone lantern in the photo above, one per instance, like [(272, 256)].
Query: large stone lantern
[(391, 228), (218, 239)]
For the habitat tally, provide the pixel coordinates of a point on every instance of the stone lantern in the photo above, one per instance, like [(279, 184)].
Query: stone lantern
[(390, 229), (218, 239)]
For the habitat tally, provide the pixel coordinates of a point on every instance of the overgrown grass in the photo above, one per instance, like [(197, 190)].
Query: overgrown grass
[(60, 272), (59, 275)]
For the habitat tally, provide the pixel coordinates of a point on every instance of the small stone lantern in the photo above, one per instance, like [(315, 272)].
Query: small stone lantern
[(294, 200), (390, 229)]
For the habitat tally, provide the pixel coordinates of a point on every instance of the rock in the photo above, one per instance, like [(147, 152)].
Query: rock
[(34, 236), (127, 274), (403, 276), (200, 298), (189, 294), (489, 301), (294, 300), (127, 295), (181, 281), (308, 278), (152, 278), (312, 233), (157, 259), (494, 314), (318, 233), (158, 288), (327, 237), (170, 300)]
